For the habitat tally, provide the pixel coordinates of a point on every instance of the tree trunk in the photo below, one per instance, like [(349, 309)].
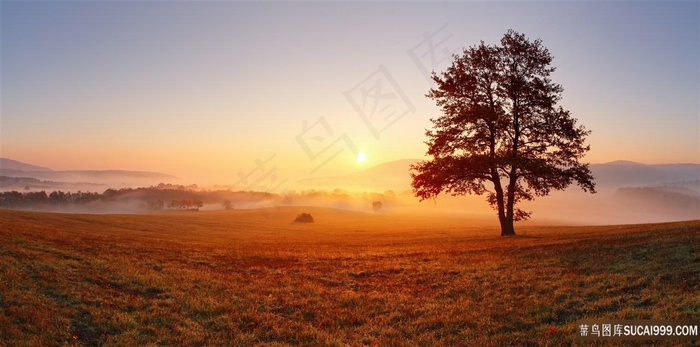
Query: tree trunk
[(507, 228)]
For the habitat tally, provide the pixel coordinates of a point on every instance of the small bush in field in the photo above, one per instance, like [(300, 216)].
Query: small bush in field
[(304, 218)]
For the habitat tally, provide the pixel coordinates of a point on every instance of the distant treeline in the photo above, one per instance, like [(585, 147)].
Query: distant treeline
[(29, 183), (15, 199), (153, 198), (23, 180), (178, 197)]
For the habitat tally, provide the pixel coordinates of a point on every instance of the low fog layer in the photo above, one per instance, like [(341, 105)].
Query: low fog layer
[(620, 206), (627, 193)]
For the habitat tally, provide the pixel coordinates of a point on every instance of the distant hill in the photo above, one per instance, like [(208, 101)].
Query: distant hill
[(9, 164), (33, 184), (395, 175), (91, 176), (626, 174), (67, 179)]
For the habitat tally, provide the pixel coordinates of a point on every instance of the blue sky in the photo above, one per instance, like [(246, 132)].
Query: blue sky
[(203, 90)]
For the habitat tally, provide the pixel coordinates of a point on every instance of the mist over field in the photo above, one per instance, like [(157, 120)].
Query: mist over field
[(627, 193)]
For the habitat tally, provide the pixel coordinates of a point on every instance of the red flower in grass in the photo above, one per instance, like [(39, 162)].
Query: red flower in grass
[(75, 336), (552, 329)]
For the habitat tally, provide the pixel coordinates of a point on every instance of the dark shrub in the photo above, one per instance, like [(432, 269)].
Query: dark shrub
[(304, 218)]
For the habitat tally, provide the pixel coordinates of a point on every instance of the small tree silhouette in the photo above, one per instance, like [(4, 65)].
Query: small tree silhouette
[(304, 218)]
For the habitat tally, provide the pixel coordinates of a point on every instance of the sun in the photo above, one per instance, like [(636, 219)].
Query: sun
[(361, 157)]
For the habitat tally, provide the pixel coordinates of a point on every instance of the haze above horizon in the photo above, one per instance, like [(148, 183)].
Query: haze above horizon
[(261, 93)]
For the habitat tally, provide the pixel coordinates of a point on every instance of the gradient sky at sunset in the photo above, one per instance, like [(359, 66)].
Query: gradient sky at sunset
[(218, 91)]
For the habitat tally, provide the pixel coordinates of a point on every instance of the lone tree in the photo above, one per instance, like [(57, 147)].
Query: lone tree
[(501, 132)]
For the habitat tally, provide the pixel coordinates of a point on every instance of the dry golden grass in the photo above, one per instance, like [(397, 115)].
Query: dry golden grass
[(254, 278)]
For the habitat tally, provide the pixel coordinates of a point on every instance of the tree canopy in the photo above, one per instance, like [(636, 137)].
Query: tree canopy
[(501, 132)]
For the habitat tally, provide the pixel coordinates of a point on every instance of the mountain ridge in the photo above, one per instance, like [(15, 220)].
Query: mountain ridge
[(11, 164), (69, 178), (395, 175), (14, 166)]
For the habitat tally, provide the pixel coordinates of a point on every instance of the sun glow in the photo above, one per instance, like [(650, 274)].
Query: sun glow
[(361, 157)]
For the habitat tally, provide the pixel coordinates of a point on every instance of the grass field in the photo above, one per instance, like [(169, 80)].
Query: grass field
[(253, 278)]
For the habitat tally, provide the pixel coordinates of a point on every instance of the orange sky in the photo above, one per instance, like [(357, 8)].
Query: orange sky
[(208, 91)]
